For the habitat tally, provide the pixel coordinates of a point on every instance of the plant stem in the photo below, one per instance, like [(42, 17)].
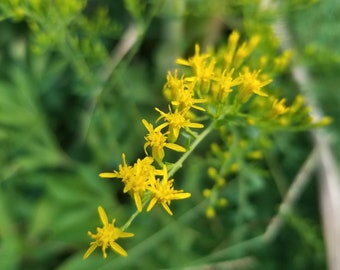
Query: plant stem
[(128, 223), (200, 137), (275, 225), (174, 169), (146, 199)]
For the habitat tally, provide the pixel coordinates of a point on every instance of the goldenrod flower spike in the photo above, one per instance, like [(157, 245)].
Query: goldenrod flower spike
[(106, 236), (164, 192)]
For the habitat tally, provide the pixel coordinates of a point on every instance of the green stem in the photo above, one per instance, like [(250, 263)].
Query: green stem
[(200, 137), (275, 225), (128, 223), (146, 199), (174, 169)]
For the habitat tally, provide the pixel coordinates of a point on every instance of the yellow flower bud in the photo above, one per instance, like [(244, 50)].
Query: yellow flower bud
[(255, 155), (215, 148), (212, 172), (325, 121), (220, 182), (210, 212), (206, 193), (234, 167), (222, 202)]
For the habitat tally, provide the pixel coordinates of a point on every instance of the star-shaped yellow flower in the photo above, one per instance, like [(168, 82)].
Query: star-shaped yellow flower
[(164, 192), (176, 120), (251, 83), (136, 178), (279, 107), (186, 100), (107, 236), (158, 140)]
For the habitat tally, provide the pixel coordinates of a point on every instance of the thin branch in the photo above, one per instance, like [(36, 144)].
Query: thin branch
[(273, 228), (328, 171), (197, 141), (126, 43), (242, 263), (300, 182)]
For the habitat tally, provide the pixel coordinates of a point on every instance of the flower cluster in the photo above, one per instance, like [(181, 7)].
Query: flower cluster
[(141, 180), (221, 88), (224, 79), (147, 180)]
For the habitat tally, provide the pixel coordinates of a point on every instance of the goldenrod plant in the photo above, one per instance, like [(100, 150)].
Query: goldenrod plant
[(234, 98), (171, 132)]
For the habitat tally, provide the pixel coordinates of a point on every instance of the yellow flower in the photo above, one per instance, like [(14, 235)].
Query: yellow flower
[(203, 74), (136, 178), (282, 61), (245, 50), (185, 100), (164, 192), (197, 60), (106, 236), (172, 85), (158, 140), (203, 71), (235, 55), (224, 83), (251, 84), (279, 107), (176, 121), (231, 47), (180, 93), (124, 171)]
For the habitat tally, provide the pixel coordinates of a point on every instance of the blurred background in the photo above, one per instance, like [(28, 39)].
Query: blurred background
[(77, 77)]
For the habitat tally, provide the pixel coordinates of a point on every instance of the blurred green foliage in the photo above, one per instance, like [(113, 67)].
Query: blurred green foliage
[(65, 116)]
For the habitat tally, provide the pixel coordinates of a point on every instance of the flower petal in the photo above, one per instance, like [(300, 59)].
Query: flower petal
[(102, 215), (107, 175), (194, 125), (117, 248), (175, 147), (181, 61), (126, 234), (89, 251), (151, 204), (147, 125), (166, 207), (138, 201), (180, 196)]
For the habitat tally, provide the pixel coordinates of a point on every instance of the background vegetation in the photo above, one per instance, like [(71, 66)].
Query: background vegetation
[(77, 77)]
